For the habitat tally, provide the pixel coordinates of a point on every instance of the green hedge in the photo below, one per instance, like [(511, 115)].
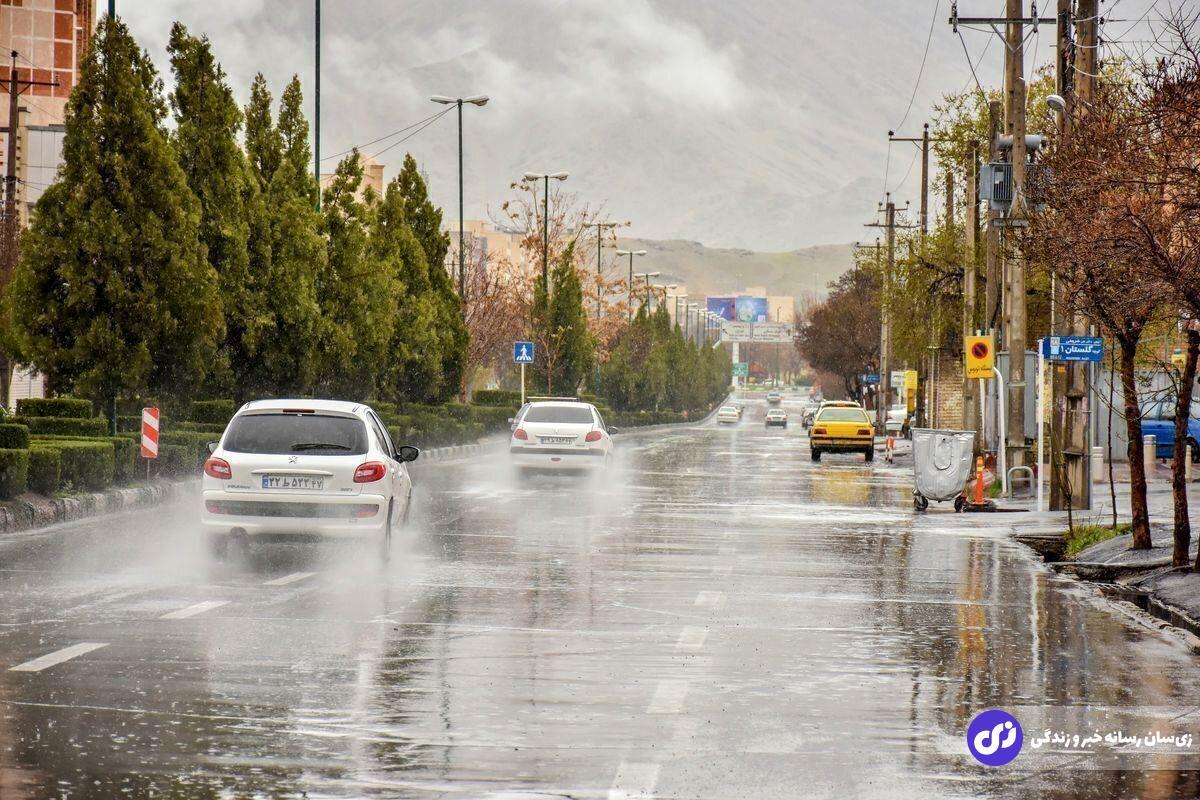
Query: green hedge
[(45, 470), (126, 453), (65, 426), (213, 429), (211, 411), (14, 437), (175, 460), (85, 465), (496, 397), (14, 472), (54, 407)]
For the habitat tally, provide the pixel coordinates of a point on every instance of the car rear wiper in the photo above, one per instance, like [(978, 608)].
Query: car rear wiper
[(320, 446)]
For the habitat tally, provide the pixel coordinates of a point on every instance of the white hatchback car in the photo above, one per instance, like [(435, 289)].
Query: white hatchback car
[(560, 435), (319, 467)]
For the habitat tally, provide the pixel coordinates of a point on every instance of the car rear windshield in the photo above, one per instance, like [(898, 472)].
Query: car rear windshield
[(843, 415), (311, 434), (561, 414)]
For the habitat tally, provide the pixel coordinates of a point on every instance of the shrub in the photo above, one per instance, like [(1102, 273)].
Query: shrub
[(65, 426), (45, 470), (14, 472), (14, 437), (85, 465), (195, 442), (175, 460), (54, 407), (126, 452), (213, 429), (496, 397), (211, 411)]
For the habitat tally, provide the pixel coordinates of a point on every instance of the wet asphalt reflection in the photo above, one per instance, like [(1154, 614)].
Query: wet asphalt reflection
[(719, 618)]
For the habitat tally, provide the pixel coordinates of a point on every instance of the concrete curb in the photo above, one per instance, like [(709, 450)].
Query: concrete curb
[(39, 512)]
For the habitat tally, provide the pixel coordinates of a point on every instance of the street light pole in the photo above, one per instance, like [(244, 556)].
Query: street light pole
[(646, 276), (538, 176), (629, 289), (600, 226), (316, 99), (476, 100)]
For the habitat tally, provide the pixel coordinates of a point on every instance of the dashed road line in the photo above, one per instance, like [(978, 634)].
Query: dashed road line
[(286, 579), (710, 599), (691, 638), (57, 657), (668, 698), (195, 610), (635, 780)]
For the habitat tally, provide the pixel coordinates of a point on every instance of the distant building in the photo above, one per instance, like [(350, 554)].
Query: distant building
[(50, 38), (372, 177), (485, 242)]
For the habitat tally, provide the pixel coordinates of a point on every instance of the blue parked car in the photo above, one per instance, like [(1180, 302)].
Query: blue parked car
[(1158, 418)]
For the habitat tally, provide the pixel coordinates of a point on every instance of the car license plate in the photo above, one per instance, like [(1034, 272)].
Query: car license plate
[(557, 439), (292, 482)]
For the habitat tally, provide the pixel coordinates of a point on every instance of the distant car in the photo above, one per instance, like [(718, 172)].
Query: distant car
[(842, 427), (808, 413), (560, 435), (774, 397), (321, 467), (776, 417), (729, 415), (1158, 419)]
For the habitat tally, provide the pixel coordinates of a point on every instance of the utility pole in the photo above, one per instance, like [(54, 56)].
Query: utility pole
[(992, 274), (970, 410), (14, 125), (1070, 416), (317, 100), (885, 324), (1014, 92)]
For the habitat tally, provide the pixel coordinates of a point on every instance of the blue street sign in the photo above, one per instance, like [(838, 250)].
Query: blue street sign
[(871, 379), (523, 352), (1073, 348)]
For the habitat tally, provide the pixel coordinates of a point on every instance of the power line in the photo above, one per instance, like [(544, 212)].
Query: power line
[(432, 120), (387, 136), (924, 56)]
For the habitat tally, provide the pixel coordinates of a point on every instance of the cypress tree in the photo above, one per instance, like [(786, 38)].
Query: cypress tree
[(562, 326), (425, 220), (356, 298), (114, 294), (293, 253), (207, 123)]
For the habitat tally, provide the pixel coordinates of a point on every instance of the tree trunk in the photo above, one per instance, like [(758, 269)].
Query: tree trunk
[(1183, 407), (112, 415), (1137, 466)]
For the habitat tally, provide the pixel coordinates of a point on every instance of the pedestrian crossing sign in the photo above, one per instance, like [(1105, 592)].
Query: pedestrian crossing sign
[(523, 352)]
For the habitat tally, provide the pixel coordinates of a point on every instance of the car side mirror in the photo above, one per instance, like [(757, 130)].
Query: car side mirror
[(406, 453), (212, 447), (613, 430)]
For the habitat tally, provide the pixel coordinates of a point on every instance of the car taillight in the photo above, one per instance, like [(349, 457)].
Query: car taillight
[(218, 468), (520, 433), (369, 472), (818, 431), (593, 436), (864, 431)]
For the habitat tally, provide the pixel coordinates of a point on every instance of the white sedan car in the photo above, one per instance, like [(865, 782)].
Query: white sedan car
[(729, 414), (560, 435), (315, 467)]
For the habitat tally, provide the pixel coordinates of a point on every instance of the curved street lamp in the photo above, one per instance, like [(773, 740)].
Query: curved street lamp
[(545, 177), (475, 100)]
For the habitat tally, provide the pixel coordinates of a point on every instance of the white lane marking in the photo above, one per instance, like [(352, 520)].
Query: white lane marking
[(286, 579), (635, 780), (194, 610), (58, 657), (710, 599), (691, 638), (668, 697)]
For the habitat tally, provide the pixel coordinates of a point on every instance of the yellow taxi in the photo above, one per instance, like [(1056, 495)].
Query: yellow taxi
[(842, 427)]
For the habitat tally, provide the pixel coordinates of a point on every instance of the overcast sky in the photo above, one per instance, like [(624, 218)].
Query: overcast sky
[(756, 123)]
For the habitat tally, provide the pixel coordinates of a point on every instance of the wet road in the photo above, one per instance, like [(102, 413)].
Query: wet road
[(720, 619)]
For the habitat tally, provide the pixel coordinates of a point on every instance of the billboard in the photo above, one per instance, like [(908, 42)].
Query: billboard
[(751, 309), (721, 306)]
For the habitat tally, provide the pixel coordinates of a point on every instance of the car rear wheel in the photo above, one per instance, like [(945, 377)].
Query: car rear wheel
[(1195, 448), (869, 454), (385, 544), (816, 454)]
